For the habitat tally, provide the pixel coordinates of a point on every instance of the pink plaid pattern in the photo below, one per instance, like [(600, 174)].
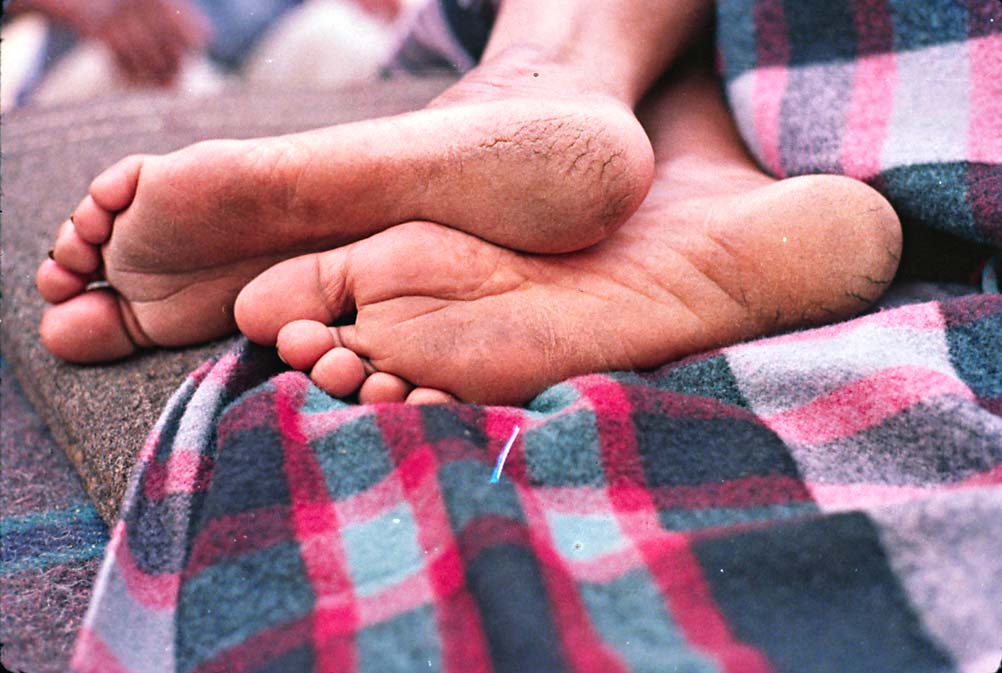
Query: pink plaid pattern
[(641, 521)]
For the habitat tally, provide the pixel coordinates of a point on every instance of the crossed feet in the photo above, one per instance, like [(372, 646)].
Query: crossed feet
[(430, 241)]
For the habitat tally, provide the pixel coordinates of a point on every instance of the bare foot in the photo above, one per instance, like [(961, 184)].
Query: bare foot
[(517, 153), (717, 253)]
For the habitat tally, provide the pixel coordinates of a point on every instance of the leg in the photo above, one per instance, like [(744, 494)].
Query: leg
[(719, 252), (620, 46)]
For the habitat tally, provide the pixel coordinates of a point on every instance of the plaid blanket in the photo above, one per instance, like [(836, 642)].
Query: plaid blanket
[(821, 501), (904, 95)]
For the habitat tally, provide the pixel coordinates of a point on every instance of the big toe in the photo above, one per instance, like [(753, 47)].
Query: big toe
[(411, 259), (302, 288), (88, 328)]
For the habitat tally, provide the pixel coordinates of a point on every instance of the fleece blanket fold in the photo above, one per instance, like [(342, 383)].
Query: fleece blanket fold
[(904, 95), (821, 501)]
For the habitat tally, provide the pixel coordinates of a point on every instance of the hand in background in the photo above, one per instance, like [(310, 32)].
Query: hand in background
[(381, 9), (147, 37)]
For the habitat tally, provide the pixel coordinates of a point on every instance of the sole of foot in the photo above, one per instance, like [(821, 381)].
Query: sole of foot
[(718, 253), (443, 311), (516, 153)]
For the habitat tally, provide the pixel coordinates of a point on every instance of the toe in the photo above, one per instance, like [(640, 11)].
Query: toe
[(429, 396), (383, 387), (414, 258), (74, 253), (87, 328), (302, 342), (311, 287), (339, 372), (56, 283), (92, 222), (114, 188)]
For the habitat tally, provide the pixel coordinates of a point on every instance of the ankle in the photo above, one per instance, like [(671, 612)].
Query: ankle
[(536, 69)]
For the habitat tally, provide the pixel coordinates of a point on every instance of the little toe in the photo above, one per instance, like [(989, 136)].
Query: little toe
[(56, 283), (302, 342), (87, 328), (383, 387), (339, 372), (92, 222), (429, 396), (74, 253), (114, 189)]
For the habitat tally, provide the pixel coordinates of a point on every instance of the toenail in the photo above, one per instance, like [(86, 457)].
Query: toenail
[(279, 354)]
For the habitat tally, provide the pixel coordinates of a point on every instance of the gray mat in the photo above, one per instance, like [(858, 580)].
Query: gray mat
[(100, 415)]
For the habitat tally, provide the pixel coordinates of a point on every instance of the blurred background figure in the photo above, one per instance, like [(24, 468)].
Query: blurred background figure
[(69, 50), (328, 43), (146, 37)]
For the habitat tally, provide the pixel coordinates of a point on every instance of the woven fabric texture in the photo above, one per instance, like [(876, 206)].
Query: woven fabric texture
[(904, 95), (789, 504)]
